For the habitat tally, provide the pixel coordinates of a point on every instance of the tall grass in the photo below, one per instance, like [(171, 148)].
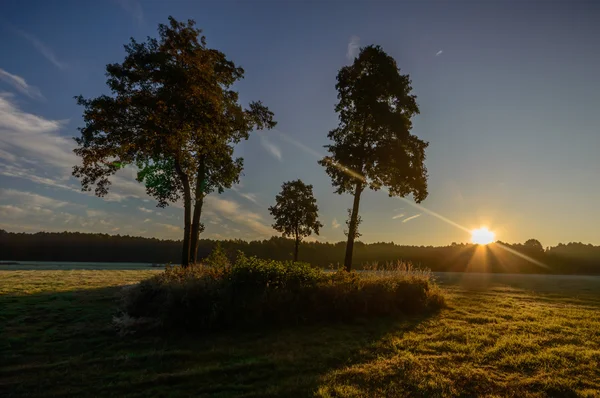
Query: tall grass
[(255, 292)]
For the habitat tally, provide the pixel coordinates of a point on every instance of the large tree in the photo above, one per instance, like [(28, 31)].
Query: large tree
[(173, 115), (373, 145), (296, 212)]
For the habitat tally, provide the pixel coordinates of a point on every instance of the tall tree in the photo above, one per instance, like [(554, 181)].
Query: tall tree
[(372, 145), (173, 114), (296, 212)]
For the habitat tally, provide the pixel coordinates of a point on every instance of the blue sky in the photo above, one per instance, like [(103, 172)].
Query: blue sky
[(508, 91)]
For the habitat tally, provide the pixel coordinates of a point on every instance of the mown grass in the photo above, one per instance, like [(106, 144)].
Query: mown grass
[(530, 338)]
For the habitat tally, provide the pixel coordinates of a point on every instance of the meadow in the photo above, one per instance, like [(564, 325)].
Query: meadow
[(501, 335)]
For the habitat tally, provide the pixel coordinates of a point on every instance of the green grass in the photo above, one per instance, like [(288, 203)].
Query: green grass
[(500, 336)]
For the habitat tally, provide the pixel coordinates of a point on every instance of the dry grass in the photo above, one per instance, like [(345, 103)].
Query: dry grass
[(517, 336)]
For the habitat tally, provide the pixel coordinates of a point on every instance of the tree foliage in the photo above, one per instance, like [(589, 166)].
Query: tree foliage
[(373, 145), (296, 212), (173, 114)]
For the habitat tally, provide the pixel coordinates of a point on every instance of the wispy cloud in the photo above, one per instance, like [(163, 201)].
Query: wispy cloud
[(270, 147), (18, 83), (411, 218), (30, 199), (335, 224), (32, 148), (33, 136), (170, 228), (232, 211), (437, 54), (96, 213), (397, 216), (134, 8), (250, 196), (353, 48), (145, 210), (43, 49), (29, 212)]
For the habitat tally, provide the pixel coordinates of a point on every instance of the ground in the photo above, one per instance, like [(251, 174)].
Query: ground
[(520, 336)]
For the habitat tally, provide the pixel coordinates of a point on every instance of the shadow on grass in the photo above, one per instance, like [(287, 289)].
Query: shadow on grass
[(63, 344)]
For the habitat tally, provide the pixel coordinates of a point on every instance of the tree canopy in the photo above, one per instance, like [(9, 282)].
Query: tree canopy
[(296, 212), (373, 145), (174, 115)]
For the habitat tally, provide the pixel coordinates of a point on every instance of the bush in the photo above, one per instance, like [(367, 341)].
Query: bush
[(255, 292)]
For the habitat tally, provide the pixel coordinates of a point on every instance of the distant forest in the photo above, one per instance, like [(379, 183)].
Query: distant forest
[(530, 257)]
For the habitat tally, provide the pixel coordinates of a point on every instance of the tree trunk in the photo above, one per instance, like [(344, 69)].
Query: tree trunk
[(199, 201), (296, 248), (352, 227), (187, 210)]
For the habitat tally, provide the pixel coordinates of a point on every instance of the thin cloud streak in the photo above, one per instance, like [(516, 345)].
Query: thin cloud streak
[(270, 147), (250, 196), (19, 84), (397, 216), (437, 54), (353, 48), (43, 49), (411, 218)]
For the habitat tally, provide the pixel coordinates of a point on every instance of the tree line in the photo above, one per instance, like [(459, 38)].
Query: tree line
[(173, 114), (571, 258)]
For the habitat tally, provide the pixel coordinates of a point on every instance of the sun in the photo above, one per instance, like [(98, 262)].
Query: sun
[(482, 236)]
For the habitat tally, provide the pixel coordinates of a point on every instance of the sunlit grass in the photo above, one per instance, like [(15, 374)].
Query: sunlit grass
[(519, 336)]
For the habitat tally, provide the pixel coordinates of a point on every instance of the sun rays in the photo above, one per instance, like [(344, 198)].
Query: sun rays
[(484, 257)]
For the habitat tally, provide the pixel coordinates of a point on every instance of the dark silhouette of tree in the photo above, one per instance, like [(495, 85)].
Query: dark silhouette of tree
[(533, 246), (372, 145), (172, 114), (296, 212), (571, 258)]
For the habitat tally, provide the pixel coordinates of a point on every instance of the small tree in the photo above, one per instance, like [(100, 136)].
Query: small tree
[(173, 114), (296, 212), (533, 246), (372, 145)]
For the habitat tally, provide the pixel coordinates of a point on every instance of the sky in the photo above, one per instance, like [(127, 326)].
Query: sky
[(508, 91)]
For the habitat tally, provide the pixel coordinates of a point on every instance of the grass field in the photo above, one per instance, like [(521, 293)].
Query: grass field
[(501, 336)]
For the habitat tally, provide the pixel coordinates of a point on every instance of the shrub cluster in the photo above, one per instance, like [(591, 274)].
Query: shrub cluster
[(256, 292)]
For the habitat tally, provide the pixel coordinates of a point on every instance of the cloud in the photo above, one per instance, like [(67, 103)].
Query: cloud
[(353, 48), (145, 210), (335, 224), (270, 147), (34, 137), (411, 218), (397, 216), (20, 84), (30, 199), (170, 228), (36, 151), (33, 212), (29, 174), (232, 211), (44, 50), (96, 213), (437, 54), (134, 8), (28, 205), (250, 196)]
